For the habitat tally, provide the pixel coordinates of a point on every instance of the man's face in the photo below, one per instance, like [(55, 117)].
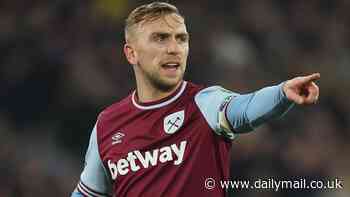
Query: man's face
[(160, 50)]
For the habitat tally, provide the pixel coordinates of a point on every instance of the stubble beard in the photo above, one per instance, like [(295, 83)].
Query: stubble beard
[(159, 83), (164, 85)]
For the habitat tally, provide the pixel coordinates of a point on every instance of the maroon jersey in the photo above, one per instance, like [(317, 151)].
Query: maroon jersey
[(163, 148), (172, 146)]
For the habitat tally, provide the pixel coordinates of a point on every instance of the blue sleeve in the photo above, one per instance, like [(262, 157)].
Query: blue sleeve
[(210, 102), (77, 194), (94, 180), (229, 113), (248, 111)]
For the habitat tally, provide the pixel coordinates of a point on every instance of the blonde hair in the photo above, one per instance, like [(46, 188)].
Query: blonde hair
[(147, 13)]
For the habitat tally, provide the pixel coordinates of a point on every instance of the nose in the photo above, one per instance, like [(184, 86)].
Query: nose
[(174, 47)]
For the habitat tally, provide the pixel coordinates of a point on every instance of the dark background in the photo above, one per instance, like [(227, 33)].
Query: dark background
[(61, 63)]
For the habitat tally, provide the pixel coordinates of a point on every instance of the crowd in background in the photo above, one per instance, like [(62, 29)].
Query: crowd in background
[(62, 63)]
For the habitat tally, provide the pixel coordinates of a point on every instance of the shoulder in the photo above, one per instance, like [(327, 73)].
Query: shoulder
[(212, 94), (117, 106), (202, 91), (193, 88), (191, 91), (211, 101), (114, 111)]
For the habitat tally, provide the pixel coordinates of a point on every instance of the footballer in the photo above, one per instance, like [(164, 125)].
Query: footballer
[(169, 135)]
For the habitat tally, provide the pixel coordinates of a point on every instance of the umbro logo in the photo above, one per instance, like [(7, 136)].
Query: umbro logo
[(117, 138)]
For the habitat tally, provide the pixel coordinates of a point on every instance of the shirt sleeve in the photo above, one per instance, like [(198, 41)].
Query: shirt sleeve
[(94, 180), (248, 111), (210, 102), (229, 113)]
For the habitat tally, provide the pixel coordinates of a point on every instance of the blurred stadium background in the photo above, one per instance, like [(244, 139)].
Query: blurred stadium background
[(62, 63)]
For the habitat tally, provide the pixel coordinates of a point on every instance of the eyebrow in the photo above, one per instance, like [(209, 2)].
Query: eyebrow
[(168, 34)]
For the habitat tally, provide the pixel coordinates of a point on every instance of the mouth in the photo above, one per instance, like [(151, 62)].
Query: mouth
[(171, 65), (171, 69)]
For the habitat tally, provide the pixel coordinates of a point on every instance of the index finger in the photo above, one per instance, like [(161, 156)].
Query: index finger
[(311, 77)]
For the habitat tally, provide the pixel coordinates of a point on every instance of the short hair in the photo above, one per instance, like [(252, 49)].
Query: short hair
[(149, 12)]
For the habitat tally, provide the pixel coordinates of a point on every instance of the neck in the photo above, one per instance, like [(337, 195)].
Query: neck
[(146, 92)]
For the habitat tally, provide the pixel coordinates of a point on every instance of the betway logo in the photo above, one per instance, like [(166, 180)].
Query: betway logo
[(149, 158)]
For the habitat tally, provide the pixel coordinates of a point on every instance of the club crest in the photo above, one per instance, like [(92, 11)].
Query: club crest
[(173, 122)]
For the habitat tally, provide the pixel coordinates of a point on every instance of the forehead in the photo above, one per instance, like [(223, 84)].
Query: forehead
[(171, 23)]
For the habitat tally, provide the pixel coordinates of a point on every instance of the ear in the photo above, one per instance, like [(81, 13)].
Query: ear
[(130, 54)]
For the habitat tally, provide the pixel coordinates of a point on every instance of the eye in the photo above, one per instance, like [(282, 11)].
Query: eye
[(160, 37), (182, 38)]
